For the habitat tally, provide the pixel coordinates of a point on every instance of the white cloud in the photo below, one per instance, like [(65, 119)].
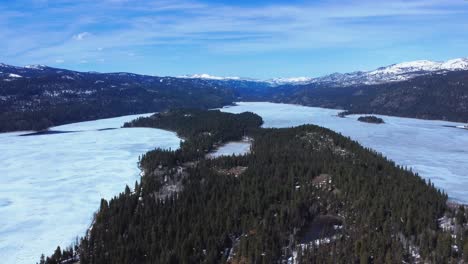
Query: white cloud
[(227, 28), (81, 36)]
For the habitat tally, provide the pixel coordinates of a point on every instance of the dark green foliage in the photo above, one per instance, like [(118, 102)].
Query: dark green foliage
[(190, 123), (255, 217), (370, 119), (460, 217), (68, 255), (465, 252), (201, 129), (43, 98)]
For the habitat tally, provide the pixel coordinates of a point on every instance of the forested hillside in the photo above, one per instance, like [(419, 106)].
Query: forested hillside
[(40, 97), (44, 97), (303, 194), (436, 96)]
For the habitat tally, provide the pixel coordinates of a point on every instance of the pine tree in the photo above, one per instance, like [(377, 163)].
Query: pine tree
[(465, 252)]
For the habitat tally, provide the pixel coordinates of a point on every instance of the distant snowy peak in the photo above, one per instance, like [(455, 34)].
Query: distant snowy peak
[(293, 80), (27, 67), (209, 77), (456, 64), (393, 73), (272, 82), (423, 65), (35, 66)]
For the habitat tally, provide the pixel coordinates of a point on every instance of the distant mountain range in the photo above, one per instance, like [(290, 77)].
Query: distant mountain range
[(271, 82), (35, 97), (392, 73)]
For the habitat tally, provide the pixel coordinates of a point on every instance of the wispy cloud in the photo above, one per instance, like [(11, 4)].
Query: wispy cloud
[(81, 36), (97, 30)]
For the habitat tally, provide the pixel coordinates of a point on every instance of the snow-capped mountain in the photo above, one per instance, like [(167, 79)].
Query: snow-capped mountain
[(422, 66), (209, 77), (293, 80), (271, 82), (45, 90), (35, 66), (392, 73)]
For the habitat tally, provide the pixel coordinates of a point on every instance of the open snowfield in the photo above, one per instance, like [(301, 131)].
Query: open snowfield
[(50, 185), (432, 149), (232, 148)]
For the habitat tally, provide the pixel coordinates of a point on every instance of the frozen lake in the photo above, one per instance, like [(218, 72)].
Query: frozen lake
[(432, 149), (50, 185)]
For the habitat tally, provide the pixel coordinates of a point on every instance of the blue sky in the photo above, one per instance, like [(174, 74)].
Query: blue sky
[(260, 39)]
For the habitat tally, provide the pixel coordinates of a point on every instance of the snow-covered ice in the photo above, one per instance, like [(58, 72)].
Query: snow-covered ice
[(115, 122), (50, 185), (437, 150), (232, 148)]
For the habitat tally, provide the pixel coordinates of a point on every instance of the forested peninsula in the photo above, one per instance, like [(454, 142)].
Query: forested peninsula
[(304, 194)]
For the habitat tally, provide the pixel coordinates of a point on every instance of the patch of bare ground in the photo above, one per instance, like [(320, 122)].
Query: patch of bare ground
[(320, 142), (234, 171), (171, 180)]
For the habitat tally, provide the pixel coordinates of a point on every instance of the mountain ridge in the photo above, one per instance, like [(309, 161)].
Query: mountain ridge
[(393, 72), (35, 97), (390, 73)]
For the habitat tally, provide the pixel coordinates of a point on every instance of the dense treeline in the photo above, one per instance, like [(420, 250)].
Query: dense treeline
[(48, 97), (201, 129), (369, 119), (193, 122), (291, 178)]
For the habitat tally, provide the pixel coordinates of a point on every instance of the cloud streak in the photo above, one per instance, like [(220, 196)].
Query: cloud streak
[(81, 36), (75, 30)]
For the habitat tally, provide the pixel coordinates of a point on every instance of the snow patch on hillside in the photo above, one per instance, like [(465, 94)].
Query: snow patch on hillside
[(12, 75)]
